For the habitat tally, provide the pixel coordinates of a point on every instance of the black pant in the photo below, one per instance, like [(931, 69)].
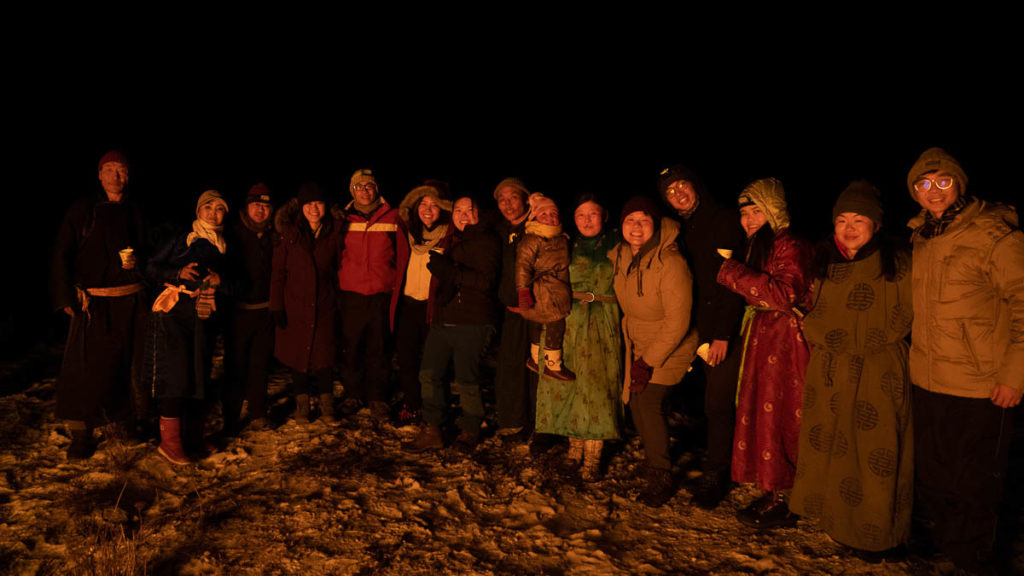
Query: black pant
[(321, 380), (961, 448), (720, 408), (248, 345), (365, 324), (515, 387), (410, 337)]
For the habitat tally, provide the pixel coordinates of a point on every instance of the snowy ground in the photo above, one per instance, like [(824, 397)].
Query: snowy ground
[(344, 499)]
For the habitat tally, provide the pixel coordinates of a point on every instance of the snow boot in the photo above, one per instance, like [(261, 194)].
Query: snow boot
[(533, 362), (554, 369), (659, 488), (170, 442), (573, 456), (428, 440), (302, 408), (327, 407), (82, 445), (591, 469)]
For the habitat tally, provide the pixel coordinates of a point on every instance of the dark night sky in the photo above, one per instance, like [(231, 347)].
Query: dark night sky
[(605, 126)]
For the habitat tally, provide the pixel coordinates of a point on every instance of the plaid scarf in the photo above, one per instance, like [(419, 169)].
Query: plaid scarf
[(933, 226)]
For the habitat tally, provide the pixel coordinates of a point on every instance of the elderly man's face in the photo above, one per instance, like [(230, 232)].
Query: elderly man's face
[(930, 194), (511, 203), (113, 178)]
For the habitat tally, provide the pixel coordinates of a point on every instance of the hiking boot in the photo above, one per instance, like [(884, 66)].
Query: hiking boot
[(710, 489), (428, 440), (768, 512), (380, 411), (467, 441), (573, 457), (170, 442), (659, 488), (350, 406)]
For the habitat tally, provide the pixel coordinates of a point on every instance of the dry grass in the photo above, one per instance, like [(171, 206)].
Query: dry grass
[(108, 550)]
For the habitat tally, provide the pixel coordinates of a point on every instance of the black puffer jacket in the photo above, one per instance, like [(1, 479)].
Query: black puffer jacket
[(476, 253)]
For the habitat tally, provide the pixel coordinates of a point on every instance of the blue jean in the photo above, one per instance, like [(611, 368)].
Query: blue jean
[(464, 345)]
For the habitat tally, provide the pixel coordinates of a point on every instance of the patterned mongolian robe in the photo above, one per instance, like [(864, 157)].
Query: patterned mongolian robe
[(855, 472), (774, 363)]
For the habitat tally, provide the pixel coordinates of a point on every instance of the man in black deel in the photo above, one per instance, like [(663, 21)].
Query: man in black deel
[(95, 280)]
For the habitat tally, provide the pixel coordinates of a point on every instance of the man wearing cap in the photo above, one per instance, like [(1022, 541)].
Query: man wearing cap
[(96, 281), (966, 356), (515, 387), (373, 252), (249, 333)]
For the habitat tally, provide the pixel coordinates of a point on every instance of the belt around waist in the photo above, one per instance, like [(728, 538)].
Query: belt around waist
[(115, 291), (591, 297)]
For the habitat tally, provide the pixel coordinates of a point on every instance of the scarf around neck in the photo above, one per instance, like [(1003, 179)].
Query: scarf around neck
[(430, 239), (213, 234)]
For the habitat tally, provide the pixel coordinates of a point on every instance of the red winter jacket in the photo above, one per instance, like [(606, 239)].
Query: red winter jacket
[(375, 249)]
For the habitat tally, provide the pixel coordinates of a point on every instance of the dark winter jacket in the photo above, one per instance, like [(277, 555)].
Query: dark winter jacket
[(476, 252), (250, 260), (304, 286), (711, 226)]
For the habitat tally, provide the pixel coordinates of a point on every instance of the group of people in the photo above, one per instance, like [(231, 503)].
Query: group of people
[(806, 353)]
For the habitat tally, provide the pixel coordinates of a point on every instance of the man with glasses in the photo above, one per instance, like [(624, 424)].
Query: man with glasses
[(966, 358), (374, 250)]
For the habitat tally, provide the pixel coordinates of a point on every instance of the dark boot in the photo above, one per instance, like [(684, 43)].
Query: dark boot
[(327, 407), (428, 440), (82, 445), (467, 441), (170, 442), (710, 489), (302, 408), (768, 512), (659, 488)]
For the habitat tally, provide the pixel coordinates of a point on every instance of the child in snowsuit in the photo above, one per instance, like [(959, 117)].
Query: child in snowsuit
[(542, 279)]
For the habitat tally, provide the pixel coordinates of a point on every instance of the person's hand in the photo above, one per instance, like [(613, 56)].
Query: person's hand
[(639, 376), (1005, 396), (212, 279), (69, 311), (525, 299), (190, 272), (441, 266), (717, 351)]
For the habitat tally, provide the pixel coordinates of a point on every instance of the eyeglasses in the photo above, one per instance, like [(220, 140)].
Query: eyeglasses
[(677, 189), (942, 183), (365, 186)]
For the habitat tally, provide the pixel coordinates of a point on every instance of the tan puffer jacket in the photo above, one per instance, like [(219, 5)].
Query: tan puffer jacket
[(968, 286), (656, 298)]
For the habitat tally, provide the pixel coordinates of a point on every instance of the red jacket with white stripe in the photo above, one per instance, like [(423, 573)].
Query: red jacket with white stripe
[(375, 249)]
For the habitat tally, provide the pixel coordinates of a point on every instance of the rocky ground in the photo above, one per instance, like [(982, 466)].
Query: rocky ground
[(344, 499)]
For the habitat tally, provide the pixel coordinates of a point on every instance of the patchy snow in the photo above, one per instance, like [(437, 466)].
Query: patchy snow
[(344, 499)]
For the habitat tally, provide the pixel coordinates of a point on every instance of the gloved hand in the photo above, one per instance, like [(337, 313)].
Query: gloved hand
[(441, 266), (280, 318), (639, 376), (525, 299)]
